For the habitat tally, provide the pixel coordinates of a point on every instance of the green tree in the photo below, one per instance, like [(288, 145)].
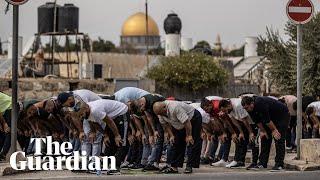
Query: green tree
[(203, 44), (281, 62), (101, 45), (236, 52), (193, 71), (282, 55)]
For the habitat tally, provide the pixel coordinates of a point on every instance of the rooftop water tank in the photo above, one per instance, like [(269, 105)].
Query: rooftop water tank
[(172, 24), (46, 17), (68, 18)]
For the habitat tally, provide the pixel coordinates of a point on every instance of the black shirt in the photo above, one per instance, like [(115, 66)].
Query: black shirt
[(306, 100), (150, 100), (266, 109)]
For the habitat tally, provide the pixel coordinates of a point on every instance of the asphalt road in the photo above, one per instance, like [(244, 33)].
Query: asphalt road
[(238, 175)]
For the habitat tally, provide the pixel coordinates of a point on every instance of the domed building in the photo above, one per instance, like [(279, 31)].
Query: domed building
[(134, 33)]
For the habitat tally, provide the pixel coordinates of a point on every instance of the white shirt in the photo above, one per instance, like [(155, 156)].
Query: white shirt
[(316, 107), (210, 98), (205, 116), (127, 94), (238, 112), (195, 105), (99, 109), (177, 114), (85, 95)]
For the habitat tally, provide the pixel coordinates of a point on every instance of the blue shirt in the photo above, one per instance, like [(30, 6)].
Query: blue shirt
[(266, 109), (127, 94)]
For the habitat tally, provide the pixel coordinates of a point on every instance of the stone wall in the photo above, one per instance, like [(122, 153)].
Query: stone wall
[(44, 88), (310, 150)]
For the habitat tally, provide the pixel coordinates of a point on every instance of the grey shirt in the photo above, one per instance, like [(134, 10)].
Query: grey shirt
[(177, 114), (129, 93)]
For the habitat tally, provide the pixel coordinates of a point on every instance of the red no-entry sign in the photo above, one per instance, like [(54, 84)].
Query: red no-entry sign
[(300, 11), (16, 2)]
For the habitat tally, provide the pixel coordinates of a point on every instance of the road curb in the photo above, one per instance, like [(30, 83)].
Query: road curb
[(304, 167), (11, 171)]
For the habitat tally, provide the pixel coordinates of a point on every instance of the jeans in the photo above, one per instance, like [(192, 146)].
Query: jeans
[(31, 148), (97, 144), (146, 149), (213, 148), (76, 144), (157, 148), (168, 152), (225, 148)]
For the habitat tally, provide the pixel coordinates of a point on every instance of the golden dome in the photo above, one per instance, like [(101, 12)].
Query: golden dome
[(135, 25)]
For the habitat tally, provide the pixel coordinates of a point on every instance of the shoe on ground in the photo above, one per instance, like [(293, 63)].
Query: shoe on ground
[(164, 168), (150, 167), (251, 166), (238, 165), (215, 160), (2, 157), (258, 167), (277, 168), (137, 167), (288, 148), (125, 165), (188, 170), (221, 163), (206, 160), (91, 171), (113, 172), (231, 164)]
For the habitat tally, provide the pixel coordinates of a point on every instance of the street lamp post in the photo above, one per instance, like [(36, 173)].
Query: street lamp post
[(147, 35)]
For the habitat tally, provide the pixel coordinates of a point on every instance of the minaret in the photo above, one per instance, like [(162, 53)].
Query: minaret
[(218, 45), (172, 27)]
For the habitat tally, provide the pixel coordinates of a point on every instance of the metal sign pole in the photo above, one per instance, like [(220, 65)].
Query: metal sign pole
[(14, 110), (299, 88)]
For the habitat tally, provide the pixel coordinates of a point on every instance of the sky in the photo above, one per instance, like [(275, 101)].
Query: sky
[(201, 19)]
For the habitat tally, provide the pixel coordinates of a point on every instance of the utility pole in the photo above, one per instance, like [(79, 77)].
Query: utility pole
[(53, 37), (147, 36), (14, 110)]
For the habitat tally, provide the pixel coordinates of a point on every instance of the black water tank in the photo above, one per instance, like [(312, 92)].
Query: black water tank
[(172, 24), (46, 18), (68, 18)]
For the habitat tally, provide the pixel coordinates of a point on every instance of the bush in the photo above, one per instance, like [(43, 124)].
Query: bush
[(193, 71)]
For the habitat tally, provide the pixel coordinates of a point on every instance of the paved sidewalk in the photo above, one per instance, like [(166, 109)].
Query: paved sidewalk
[(6, 169), (290, 164)]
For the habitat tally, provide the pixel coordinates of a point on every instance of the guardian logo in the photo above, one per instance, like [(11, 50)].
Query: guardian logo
[(53, 161)]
